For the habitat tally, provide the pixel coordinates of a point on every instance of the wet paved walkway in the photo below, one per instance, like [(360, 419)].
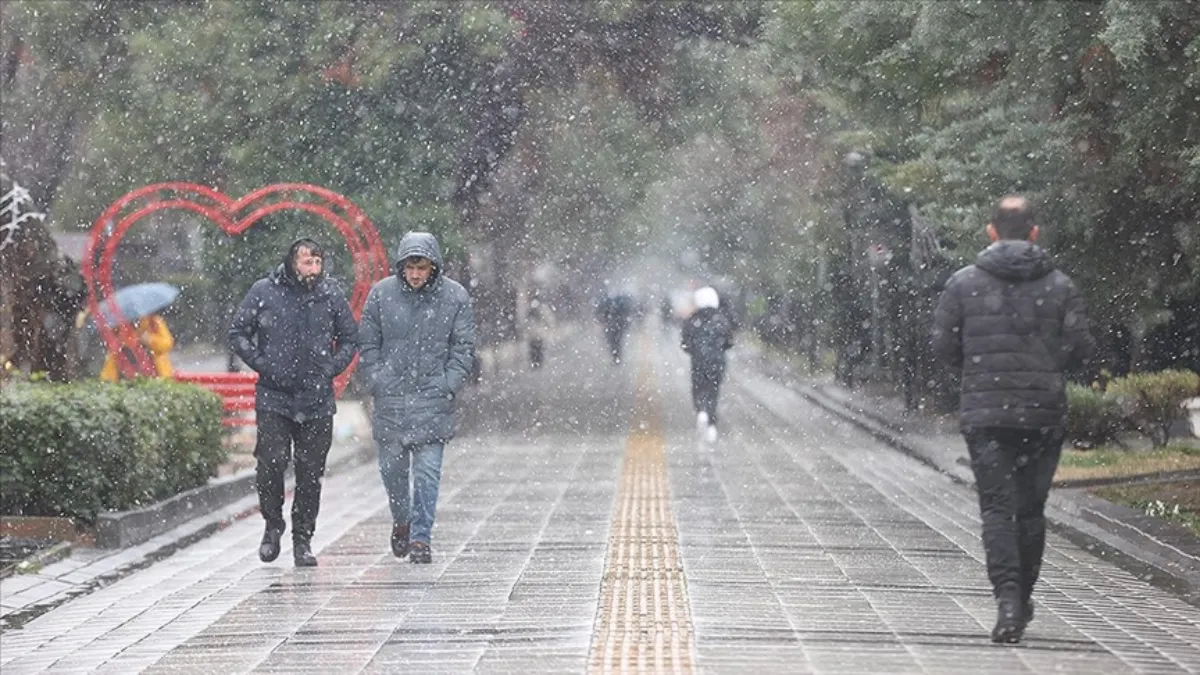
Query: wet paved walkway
[(795, 543)]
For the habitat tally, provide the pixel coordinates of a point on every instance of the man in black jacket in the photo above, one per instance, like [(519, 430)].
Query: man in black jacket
[(706, 335), (1013, 324), (295, 329)]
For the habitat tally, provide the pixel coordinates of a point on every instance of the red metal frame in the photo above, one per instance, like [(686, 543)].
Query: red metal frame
[(235, 389), (234, 216)]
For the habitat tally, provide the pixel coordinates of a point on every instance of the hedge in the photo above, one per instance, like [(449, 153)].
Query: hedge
[(1152, 402), (82, 448), (1094, 417)]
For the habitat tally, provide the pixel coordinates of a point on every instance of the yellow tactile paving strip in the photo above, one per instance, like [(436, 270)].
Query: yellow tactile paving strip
[(644, 623)]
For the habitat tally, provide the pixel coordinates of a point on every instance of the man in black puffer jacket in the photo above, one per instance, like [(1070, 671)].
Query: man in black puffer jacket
[(1013, 324), (295, 329), (706, 335)]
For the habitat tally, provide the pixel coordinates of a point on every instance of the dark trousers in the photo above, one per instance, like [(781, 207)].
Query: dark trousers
[(614, 335), (1013, 471), (279, 439), (706, 387)]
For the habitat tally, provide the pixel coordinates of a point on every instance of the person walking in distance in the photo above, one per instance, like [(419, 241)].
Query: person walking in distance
[(295, 329), (418, 349), (615, 311), (538, 325), (1013, 324), (706, 335), (152, 332)]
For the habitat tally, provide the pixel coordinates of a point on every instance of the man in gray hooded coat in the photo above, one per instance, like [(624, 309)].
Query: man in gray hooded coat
[(1013, 324), (417, 349)]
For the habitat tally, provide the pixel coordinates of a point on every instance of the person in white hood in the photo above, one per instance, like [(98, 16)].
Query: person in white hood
[(706, 336)]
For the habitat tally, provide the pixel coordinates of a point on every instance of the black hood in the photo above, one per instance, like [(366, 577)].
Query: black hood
[(1014, 260), (286, 272)]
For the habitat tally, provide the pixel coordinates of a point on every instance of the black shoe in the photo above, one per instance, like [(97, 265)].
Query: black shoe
[(418, 552), (268, 550), (303, 555), (1010, 616), (400, 540)]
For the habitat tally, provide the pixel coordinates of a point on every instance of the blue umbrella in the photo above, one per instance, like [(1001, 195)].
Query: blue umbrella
[(139, 300)]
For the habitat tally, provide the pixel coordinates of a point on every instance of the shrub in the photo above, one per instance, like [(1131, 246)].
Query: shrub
[(1093, 417), (1154, 401), (82, 448)]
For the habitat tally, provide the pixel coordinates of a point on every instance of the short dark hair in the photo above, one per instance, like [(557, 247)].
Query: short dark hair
[(313, 248), (1013, 217)]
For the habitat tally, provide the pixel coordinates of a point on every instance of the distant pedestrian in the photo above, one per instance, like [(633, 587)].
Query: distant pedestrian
[(294, 328), (1013, 324), (616, 313), (666, 312), (706, 335), (418, 349), (151, 332), (538, 325)]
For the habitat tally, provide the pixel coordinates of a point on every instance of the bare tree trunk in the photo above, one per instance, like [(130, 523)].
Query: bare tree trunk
[(8, 338)]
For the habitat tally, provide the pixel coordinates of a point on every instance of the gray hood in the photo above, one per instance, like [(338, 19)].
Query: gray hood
[(424, 245), (1014, 260)]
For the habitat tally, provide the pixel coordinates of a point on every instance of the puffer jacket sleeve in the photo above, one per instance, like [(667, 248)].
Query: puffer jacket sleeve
[(243, 332), (345, 333), (370, 338), (947, 327), (461, 358)]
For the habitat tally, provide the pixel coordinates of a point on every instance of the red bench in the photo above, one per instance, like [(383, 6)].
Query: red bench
[(235, 389)]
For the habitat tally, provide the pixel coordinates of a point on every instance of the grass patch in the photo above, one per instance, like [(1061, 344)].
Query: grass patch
[(1177, 501), (1109, 462)]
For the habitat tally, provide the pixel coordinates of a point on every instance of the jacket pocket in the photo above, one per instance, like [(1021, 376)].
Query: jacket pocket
[(383, 380), (272, 377)]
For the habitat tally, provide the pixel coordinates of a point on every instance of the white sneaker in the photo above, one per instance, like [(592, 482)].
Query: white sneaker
[(701, 421), (710, 434)]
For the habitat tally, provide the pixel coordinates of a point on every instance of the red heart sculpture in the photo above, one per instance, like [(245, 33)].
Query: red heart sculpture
[(234, 217)]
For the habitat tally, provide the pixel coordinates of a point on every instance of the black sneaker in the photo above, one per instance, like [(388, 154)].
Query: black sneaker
[(1010, 616), (268, 550), (418, 552), (303, 555), (400, 540)]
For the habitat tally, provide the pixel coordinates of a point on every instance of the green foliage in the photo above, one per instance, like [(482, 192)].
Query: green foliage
[(1107, 456), (1177, 501), (367, 99), (79, 449), (1094, 417), (233, 263), (1154, 401), (675, 126), (1088, 108), (196, 316), (588, 156)]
